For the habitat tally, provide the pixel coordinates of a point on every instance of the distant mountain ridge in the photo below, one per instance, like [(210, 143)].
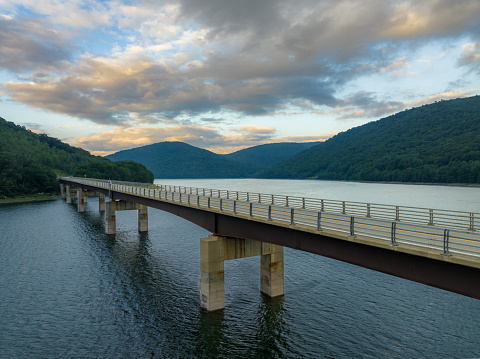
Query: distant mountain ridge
[(181, 160), (268, 155), (436, 143)]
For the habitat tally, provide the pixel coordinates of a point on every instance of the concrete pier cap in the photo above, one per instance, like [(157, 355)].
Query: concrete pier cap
[(215, 250), (112, 207)]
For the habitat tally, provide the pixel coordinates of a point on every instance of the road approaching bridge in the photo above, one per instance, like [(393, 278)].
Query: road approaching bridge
[(435, 247)]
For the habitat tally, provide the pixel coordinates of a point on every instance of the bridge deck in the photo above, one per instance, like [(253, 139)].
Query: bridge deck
[(434, 247)]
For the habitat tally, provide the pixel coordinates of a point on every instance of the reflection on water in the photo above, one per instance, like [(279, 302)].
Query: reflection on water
[(69, 290)]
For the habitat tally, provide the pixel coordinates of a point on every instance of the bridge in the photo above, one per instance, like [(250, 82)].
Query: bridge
[(435, 247)]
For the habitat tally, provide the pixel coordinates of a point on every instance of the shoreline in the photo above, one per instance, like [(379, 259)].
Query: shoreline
[(26, 199)]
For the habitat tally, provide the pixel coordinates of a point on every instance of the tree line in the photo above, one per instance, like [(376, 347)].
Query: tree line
[(436, 143), (30, 163)]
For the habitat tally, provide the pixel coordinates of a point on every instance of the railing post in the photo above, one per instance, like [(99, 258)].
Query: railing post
[(269, 213), (248, 196), (286, 201), (198, 200), (322, 206), (234, 207), (221, 204), (208, 201), (368, 210), (180, 194), (188, 198), (397, 213), (303, 202), (251, 209), (393, 234), (292, 221), (343, 208), (430, 223), (472, 222), (446, 239), (273, 200), (352, 226), (319, 220)]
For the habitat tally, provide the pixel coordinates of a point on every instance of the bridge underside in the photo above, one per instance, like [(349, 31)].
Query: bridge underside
[(436, 273)]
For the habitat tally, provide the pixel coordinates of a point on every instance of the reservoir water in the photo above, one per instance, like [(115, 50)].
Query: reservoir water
[(68, 290)]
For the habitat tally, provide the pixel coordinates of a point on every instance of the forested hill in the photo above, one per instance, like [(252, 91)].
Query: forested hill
[(30, 163), (436, 143), (181, 160), (270, 154)]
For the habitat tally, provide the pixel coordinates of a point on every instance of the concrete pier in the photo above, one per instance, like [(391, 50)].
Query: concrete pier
[(81, 200), (62, 190), (114, 206), (142, 218), (68, 194), (215, 250), (101, 202), (271, 272)]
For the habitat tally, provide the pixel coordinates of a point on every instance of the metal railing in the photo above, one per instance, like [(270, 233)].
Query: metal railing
[(433, 229)]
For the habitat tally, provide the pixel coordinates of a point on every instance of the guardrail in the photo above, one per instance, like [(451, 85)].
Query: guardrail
[(433, 229)]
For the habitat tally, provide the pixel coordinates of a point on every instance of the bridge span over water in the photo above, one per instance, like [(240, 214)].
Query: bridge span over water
[(439, 248)]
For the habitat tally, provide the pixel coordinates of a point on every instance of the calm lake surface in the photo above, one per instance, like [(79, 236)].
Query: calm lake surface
[(68, 290)]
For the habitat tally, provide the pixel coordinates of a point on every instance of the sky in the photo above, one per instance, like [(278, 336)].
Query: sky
[(227, 74)]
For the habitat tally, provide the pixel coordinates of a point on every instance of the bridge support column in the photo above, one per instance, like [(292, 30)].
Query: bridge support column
[(62, 190), (101, 202), (142, 218), (114, 206), (271, 272), (68, 193), (81, 200), (110, 218), (212, 281), (215, 250)]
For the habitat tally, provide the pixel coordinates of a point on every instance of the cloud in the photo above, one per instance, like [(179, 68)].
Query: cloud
[(432, 18), (447, 95), (470, 56), (366, 105), (123, 138), (32, 45), (70, 14), (106, 90), (184, 63)]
